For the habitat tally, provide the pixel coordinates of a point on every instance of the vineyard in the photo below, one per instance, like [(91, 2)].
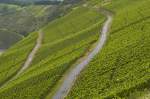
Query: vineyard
[(120, 70), (65, 40), (123, 66)]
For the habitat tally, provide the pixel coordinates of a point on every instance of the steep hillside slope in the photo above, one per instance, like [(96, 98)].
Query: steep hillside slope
[(123, 66), (16, 22), (8, 38), (19, 19), (22, 20), (65, 40), (119, 71)]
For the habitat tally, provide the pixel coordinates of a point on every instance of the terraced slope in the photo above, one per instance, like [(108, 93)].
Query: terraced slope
[(65, 40), (28, 60), (123, 66), (12, 60), (70, 77)]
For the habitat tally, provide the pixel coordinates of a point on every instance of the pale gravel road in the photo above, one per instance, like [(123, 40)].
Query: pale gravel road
[(70, 78)]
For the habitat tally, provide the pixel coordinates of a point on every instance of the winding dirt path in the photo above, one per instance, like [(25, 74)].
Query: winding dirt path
[(69, 78), (29, 58), (33, 52)]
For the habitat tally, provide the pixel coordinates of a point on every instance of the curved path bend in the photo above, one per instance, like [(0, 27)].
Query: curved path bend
[(29, 59), (32, 53), (70, 77)]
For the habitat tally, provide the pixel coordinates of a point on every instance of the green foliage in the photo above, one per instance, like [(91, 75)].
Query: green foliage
[(13, 59), (65, 40), (22, 20), (122, 67), (124, 63)]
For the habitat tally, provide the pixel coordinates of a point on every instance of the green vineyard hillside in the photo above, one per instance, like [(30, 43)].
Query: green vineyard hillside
[(120, 71)]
